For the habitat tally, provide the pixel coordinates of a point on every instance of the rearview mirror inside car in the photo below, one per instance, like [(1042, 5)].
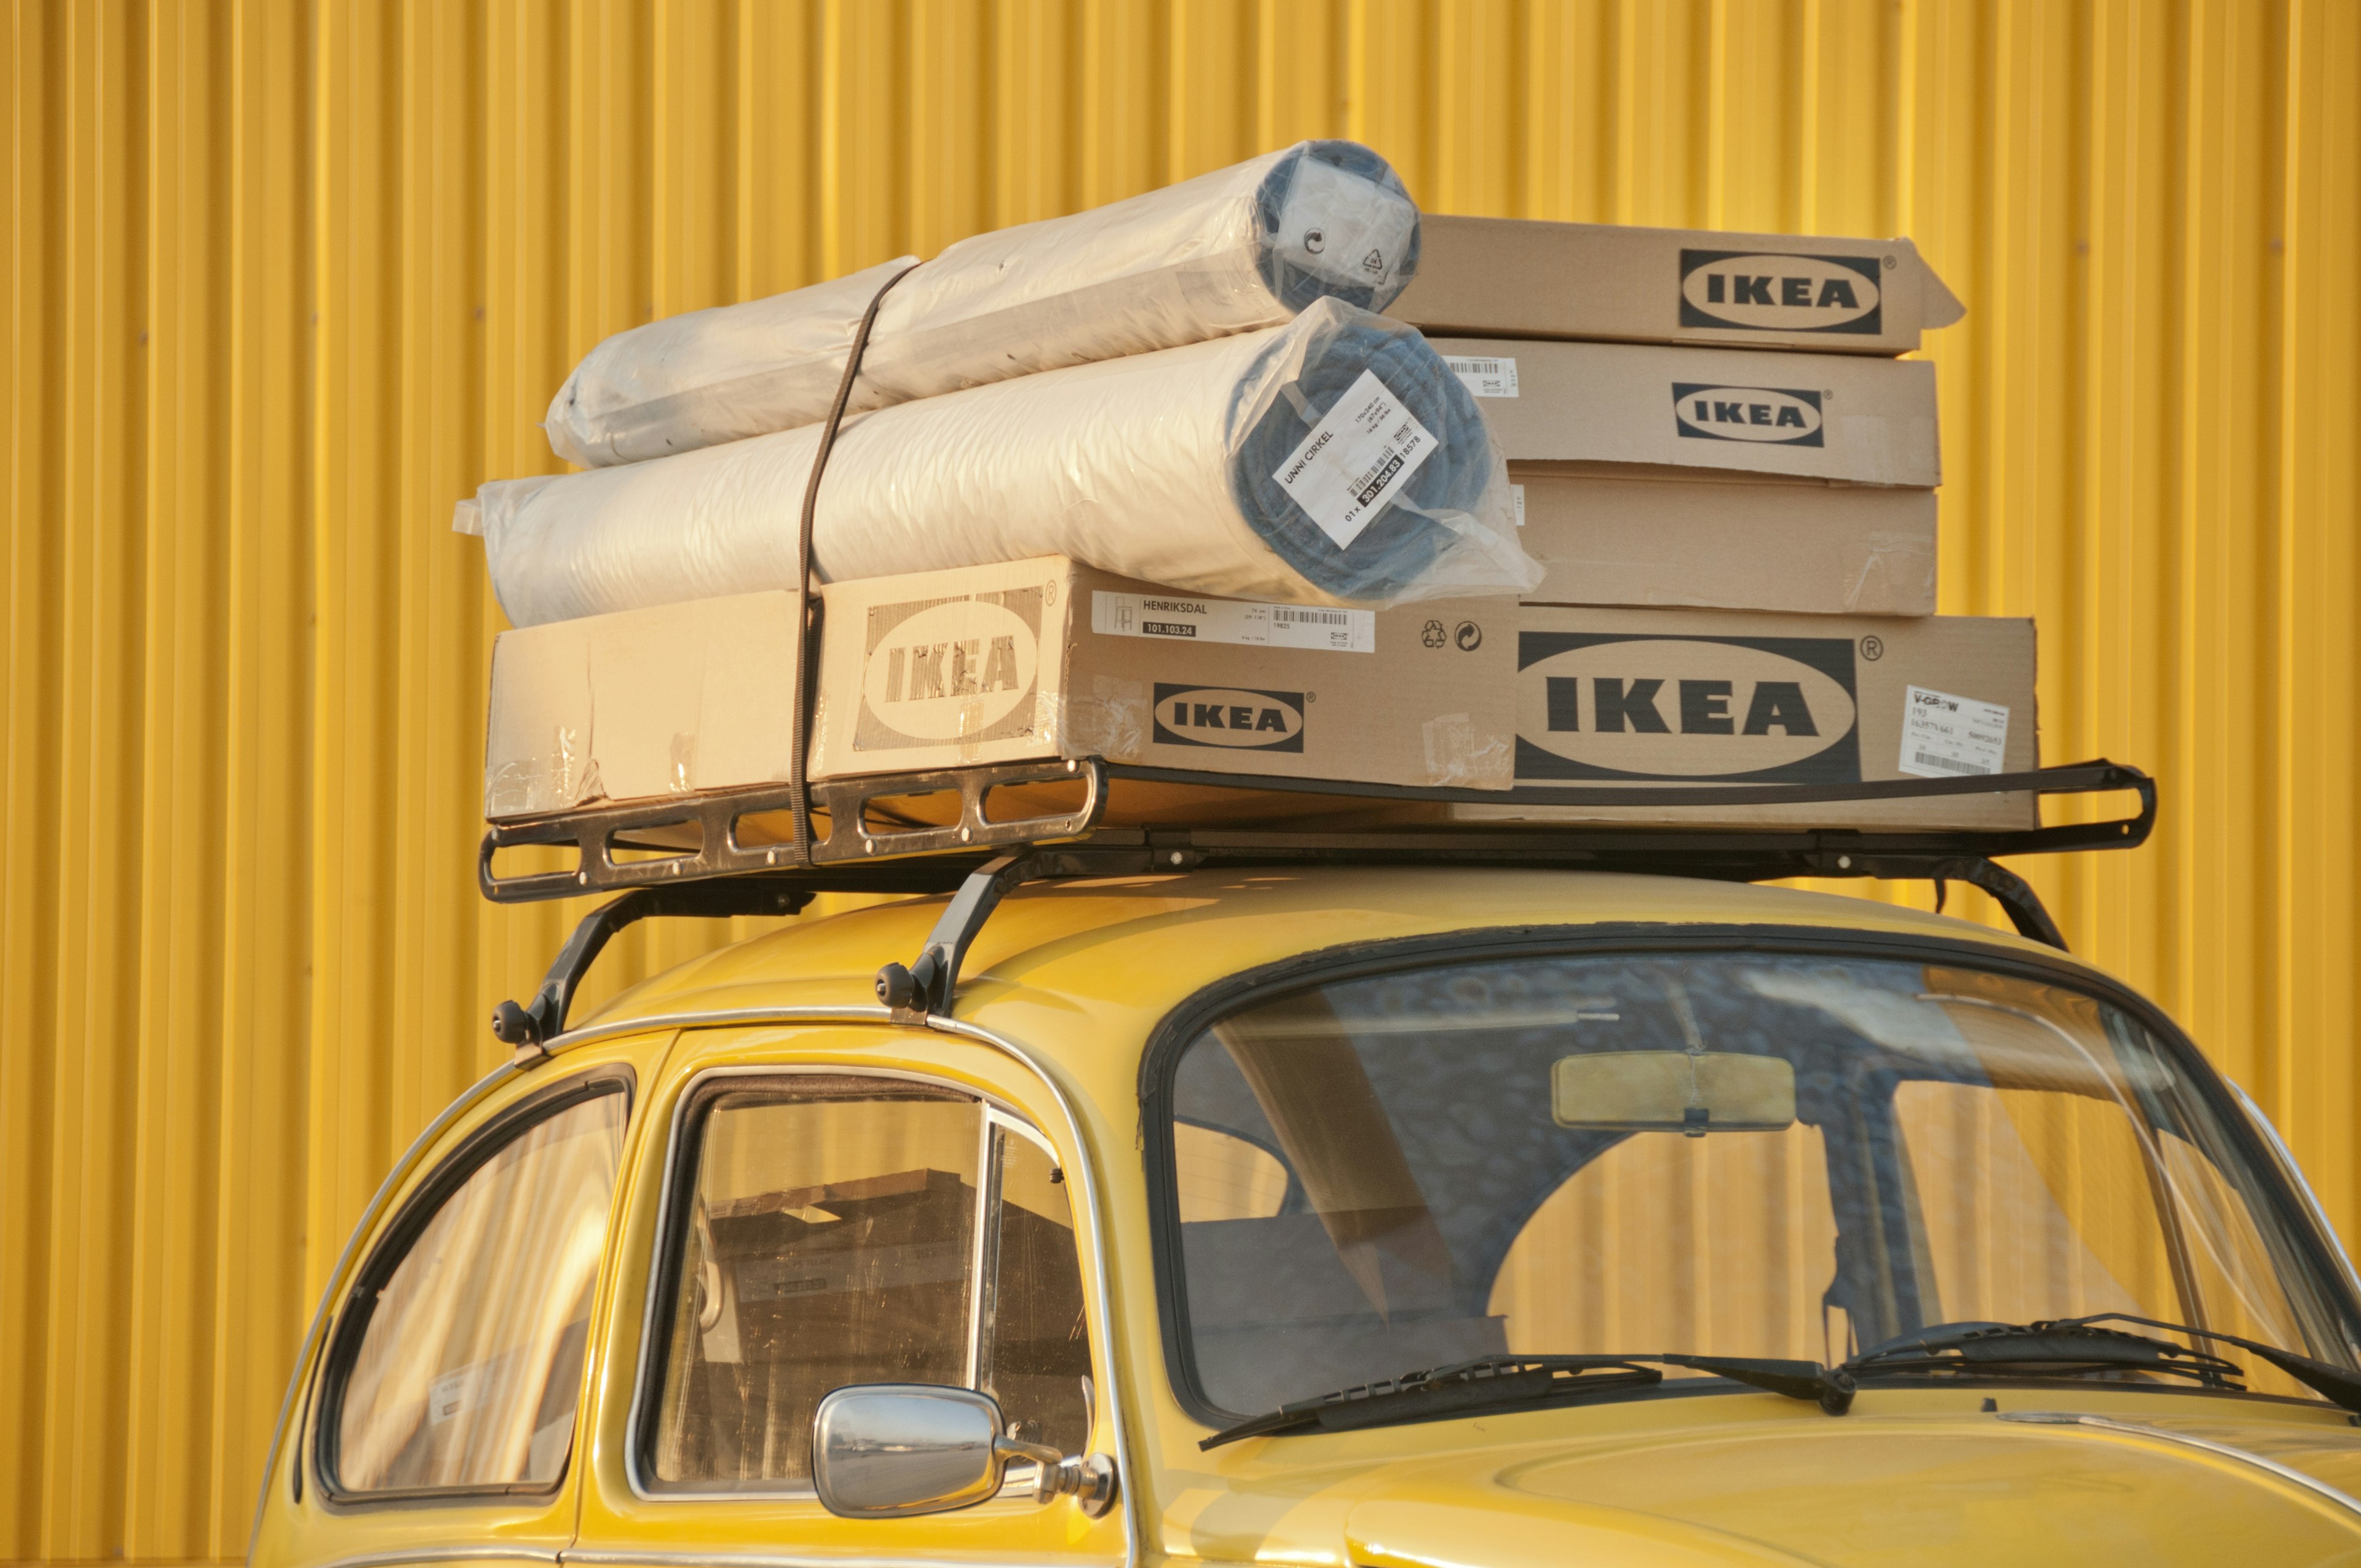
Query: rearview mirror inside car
[(1695, 1092)]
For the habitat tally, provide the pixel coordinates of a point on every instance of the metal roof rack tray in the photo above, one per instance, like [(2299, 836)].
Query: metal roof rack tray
[(769, 849)]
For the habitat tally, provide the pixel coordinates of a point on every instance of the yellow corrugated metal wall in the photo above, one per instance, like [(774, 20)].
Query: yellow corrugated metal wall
[(285, 280)]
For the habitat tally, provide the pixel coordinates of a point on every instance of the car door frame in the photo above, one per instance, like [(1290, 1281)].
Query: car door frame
[(859, 1041)]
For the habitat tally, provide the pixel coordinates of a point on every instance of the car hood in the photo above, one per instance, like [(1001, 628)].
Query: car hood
[(1929, 1491)]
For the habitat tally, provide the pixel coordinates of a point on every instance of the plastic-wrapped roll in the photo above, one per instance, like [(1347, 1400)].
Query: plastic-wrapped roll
[(1335, 460), (1232, 251)]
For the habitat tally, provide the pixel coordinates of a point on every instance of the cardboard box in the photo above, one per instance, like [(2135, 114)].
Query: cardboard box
[(642, 703), (1047, 659), (1695, 697), (1518, 277), (1820, 416), (1628, 534)]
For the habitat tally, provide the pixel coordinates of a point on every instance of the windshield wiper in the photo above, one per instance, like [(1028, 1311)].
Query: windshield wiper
[(2061, 1348), (1490, 1382), (2074, 1346)]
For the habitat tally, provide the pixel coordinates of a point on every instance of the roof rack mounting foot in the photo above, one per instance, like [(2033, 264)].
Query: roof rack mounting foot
[(2010, 891), (924, 986), (530, 1028)]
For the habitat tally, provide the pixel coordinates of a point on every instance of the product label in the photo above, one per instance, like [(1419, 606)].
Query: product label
[(1945, 736), (1242, 622), (1517, 494), (447, 1395), (1485, 378), (1356, 460), (1785, 295)]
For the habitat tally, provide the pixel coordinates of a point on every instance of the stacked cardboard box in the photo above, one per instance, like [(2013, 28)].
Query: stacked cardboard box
[(1731, 481), (1725, 468)]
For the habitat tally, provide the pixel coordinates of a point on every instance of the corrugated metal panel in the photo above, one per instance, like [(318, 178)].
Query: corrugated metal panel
[(286, 279)]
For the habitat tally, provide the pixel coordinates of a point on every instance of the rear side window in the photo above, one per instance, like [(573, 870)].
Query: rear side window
[(459, 1361)]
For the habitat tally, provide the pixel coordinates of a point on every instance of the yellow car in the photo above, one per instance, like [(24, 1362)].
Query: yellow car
[(1400, 1218)]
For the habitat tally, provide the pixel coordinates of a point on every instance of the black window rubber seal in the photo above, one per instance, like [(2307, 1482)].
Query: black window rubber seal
[(1160, 1059), (470, 1155)]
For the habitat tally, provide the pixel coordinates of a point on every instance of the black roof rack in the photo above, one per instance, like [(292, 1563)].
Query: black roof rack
[(715, 855)]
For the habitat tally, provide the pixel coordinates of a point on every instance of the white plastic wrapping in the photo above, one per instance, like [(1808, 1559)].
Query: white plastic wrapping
[(1333, 460), (1232, 251)]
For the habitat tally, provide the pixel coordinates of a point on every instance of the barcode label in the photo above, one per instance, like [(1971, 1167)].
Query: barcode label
[(1241, 621), (1950, 737), (1486, 377)]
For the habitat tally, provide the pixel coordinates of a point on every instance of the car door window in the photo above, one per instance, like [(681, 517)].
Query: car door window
[(459, 1357), (826, 1230), (1036, 1357)]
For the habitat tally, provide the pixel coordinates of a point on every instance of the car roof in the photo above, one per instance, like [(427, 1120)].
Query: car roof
[(1119, 950)]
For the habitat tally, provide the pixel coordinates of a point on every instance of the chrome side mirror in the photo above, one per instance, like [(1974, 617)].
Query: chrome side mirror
[(884, 1451)]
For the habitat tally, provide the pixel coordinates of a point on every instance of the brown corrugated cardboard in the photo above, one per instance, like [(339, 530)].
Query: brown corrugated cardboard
[(1049, 659), (1818, 416), (1518, 278), (1627, 534), (642, 703), (1635, 696)]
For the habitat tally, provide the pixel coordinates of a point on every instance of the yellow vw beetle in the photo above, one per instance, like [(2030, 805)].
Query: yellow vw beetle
[(1402, 1218)]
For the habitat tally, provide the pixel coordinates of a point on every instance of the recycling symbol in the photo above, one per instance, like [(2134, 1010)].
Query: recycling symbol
[(1432, 634), (1373, 265), (1316, 240)]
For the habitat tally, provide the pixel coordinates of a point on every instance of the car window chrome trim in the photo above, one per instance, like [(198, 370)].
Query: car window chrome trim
[(723, 1018), (996, 1112), (2268, 1131), (1108, 1364), (669, 1193), (2248, 1456), (307, 1360), (613, 1557), (449, 1175), (495, 1552)]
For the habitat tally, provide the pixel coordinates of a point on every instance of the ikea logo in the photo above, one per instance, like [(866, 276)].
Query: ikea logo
[(1614, 705), (1225, 716), (1785, 416), (948, 670), (1780, 293)]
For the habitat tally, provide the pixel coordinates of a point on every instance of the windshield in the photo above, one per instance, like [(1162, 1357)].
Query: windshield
[(1724, 1153)]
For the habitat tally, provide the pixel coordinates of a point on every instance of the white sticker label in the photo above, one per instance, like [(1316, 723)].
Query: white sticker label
[(1234, 620), (1485, 378), (1945, 736), (447, 1395), (1355, 459), (1517, 492)]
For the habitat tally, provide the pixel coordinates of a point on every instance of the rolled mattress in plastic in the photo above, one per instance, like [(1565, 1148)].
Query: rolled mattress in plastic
[(1333, 460), (1238, 249)]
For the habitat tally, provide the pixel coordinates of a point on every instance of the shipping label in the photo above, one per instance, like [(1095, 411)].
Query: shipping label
[(1356, 460), (1186, 619), (1947, 737)]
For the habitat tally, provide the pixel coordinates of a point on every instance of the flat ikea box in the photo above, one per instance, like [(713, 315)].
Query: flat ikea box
[(1815, 416), (1046, 659), (1520, 278), (1716, 697), (1626, 534), (642, 703)]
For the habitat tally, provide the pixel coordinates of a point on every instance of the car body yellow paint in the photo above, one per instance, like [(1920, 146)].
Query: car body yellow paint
[(1061, 993)]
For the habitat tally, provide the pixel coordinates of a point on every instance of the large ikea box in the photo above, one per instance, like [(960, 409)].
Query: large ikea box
[(1046, 659), (1521, 278), (1687, 698)]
